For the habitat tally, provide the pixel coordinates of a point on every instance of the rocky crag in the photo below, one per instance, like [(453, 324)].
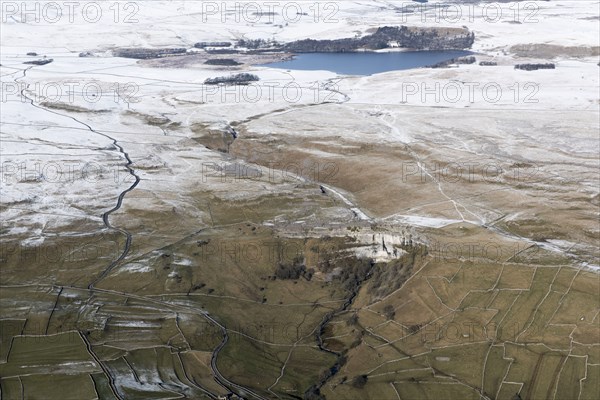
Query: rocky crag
[(389, 37)]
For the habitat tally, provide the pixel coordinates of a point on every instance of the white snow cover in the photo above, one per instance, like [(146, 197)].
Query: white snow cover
[(56, 171)]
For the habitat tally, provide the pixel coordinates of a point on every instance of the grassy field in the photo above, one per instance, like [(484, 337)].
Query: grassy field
[(435, 323)]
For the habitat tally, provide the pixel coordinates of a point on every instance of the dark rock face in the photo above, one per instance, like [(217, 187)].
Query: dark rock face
[(535, 67), (143, 53), (403, 36), (239, 79), (39, 62)]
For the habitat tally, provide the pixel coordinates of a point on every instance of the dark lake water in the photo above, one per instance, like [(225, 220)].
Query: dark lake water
[(367, 63)]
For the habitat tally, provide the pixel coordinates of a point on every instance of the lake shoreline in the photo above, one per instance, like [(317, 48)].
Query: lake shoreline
[(367, 62)]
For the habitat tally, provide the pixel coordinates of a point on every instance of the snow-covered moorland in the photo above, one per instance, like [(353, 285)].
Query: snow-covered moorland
[(111, 165)]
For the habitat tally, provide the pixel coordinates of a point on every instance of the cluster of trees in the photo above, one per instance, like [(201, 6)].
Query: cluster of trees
[(144, 53), (535, 67), (201, 45), (228, 62), (257, 43), (389, 312), (360, 381), (293, 271), (354, 272), (238, 79), (392, 276), (458, 60), (39, 62)]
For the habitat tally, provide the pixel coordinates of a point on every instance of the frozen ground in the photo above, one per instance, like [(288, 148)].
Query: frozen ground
[(438, 153)]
